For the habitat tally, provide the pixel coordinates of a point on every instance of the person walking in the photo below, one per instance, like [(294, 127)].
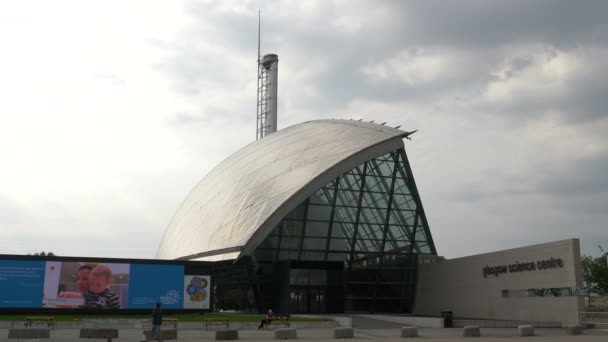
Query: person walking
[(267, 319), (157, 321)]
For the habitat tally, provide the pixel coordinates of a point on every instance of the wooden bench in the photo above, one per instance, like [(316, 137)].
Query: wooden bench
[(217, 321), (49, 321), (167, 322), (172, 322), (284, 321)]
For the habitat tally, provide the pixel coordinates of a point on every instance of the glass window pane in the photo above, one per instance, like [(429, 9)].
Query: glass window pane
[(343, 214), (264, 254), (313, 256), (276, 230), (342, 230), (365, 260), (401, 186), (381, 168), (297, 213), (420, 235), (292, 228), (403, 202), (370, 231), (377, 184), (348, 198), (398, 233), (314, 228), (314, 244), (368, 245), (369, 215), (319, 212), (402, 218), (362, 275), (400, 260), (375, 200), (423, 248), (330, 185), (290, 242), (270, 242), (396, 246), (337, 257), (358, 170), (350, 182), (340, 244), (391, 275), (322, 196), (289, 255)]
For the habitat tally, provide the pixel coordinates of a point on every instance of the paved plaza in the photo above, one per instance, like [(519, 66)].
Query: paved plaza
[(365, 328), (317, 334)]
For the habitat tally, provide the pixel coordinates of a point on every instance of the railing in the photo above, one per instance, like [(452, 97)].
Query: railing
[(590, 317)]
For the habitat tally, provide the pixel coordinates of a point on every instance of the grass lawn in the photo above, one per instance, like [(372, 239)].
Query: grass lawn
[(185, 317)]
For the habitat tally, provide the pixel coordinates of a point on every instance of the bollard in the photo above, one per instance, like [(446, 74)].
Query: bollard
[(285, 334), (525, 330), (226, 334), (471, 331), (344, 332), (573, 329), (409, 332)]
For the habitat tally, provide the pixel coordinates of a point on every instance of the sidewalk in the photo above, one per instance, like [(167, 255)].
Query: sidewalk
[(321, 335)]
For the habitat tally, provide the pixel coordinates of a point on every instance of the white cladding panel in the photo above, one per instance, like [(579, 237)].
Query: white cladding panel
[(459, 285), (255, 187)]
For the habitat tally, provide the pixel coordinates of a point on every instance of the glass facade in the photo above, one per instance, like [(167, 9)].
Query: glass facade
[(368, 221)]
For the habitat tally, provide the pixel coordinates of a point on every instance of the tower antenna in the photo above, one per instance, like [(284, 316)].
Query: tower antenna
[(267, 91), (257, 106)]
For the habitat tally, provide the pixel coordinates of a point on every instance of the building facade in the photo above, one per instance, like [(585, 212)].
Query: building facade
[(320, 217)]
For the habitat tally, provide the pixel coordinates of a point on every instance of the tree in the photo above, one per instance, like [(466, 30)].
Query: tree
[(43, 254), (596, 273)]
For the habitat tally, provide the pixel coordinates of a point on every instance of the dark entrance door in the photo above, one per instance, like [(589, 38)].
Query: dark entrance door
[(307, 299)]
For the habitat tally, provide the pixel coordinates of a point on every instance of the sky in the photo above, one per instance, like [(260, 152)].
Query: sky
[(111, 111)]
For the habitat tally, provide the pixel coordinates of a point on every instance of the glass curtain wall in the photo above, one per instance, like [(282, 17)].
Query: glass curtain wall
[(369, 218)]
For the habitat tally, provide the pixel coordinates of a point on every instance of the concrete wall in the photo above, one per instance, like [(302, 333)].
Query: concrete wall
[(459, 285)]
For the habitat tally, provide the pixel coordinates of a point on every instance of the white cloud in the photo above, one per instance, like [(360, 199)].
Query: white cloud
[(411, 67), (111, 112)]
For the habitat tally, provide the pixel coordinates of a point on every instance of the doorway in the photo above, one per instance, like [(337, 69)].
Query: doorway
[(307, 299)]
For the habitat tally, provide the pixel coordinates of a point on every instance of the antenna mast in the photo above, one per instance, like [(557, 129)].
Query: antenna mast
[(267, 91), (259, 90)]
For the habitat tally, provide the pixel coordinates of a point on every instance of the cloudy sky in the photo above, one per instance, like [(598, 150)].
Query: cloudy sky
[(111, 111)]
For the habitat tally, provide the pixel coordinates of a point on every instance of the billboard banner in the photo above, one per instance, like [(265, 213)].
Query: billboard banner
[(100, 285), (21, 283), (157, 283), (196, 292)]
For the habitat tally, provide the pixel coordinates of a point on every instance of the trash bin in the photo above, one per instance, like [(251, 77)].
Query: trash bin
[(447, 318)]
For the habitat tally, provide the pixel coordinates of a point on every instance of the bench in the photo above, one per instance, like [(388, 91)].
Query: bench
[(29, 333), (49, 321), (280, 321), (218, 321), (167, 334), (172, 322), (98, 333), (167, 322)]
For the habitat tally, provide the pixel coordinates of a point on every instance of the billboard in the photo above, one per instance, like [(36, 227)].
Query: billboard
[(100, 285)]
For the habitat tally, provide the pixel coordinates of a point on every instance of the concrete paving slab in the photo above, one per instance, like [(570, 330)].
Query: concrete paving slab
[(326, 335)]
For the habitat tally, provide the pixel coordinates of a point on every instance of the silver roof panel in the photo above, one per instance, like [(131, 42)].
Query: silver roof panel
[(232, 209)]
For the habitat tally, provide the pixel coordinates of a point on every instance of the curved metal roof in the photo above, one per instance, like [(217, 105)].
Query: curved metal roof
[(238, 203)]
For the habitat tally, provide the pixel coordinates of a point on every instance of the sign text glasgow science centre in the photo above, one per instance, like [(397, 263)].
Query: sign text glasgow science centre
[(522, 266)]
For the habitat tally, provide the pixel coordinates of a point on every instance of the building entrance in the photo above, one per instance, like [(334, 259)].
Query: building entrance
[(307, 299), (307, 291)]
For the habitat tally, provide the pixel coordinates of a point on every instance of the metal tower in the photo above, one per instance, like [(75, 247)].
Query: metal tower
[(267, 92)]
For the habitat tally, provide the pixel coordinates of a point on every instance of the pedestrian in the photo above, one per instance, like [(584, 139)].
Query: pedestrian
[(267, 320), (157, 321)]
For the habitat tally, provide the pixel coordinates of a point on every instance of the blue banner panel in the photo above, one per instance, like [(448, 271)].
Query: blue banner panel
[(22, 283), (156, 283)]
